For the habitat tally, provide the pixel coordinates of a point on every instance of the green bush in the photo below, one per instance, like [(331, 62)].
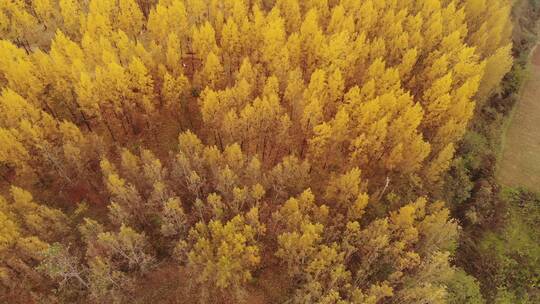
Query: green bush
[(464, 289)]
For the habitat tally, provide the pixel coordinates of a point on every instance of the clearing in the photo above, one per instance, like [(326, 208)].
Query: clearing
[(520, 160)]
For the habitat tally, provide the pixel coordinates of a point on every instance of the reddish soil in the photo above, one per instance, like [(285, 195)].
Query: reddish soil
[(536, 56)]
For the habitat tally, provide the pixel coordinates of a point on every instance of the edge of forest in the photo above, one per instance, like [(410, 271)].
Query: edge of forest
[(489, 212)]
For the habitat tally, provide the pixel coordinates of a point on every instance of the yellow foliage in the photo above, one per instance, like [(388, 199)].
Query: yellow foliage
[(318, 113)]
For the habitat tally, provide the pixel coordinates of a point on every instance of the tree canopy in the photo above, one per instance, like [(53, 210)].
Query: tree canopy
[(236, 138)]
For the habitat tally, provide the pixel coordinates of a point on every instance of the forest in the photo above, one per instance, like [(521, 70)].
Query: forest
[(263, 151)]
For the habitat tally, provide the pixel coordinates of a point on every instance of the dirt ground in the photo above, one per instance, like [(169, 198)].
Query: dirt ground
[(520, 160)]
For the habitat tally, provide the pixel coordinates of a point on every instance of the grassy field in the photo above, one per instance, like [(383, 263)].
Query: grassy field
[(520, 160)]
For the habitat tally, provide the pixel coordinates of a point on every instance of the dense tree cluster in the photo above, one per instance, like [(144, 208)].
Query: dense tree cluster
[(238, 138)]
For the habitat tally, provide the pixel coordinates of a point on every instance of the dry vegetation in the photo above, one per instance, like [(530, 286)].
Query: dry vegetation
[(520, 161), (184, 151)]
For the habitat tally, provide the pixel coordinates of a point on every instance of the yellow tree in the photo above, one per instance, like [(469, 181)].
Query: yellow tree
[(293, 94), (347, 193), (13, 154), (231, 47), (356, 101), (212, 72), (312, 42), (17, 24), (73, 18), (141, 86), (497, 65), (204, 41), (130, 17), (291, 14), (379, 135), (19, 252), (173, 55), (30, 130), (59, 71), (196, 10), (168, 17), (274, 51), (19, 72), (110, 93), (250, 121), (223, 256), (174, 94), (174, 219), (340, 21), (100, 18), (47, 12), (26, 228), (37, 219), (300, 224)]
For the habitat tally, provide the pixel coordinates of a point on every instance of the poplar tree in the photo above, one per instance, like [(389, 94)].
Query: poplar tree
[(243, 138)]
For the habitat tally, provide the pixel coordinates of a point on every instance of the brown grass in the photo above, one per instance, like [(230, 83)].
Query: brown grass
[(520, 159), (170, 284)]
